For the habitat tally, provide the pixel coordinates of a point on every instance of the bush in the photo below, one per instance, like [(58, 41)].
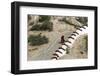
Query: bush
[(35, 27), (43, 27), (86, 43), (66, 21), (31, 23), (44, 18), (83, 20), (37, 40), (47, 26), (29, 17)]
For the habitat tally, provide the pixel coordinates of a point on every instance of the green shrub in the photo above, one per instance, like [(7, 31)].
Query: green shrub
[(44, 18), (29, 17), (37, 40), (64, 20), (35, 27), (83, 20), (31, 23), (86, 43), (46, 26)]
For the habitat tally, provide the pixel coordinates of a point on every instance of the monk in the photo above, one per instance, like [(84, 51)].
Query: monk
[(62, 39)]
